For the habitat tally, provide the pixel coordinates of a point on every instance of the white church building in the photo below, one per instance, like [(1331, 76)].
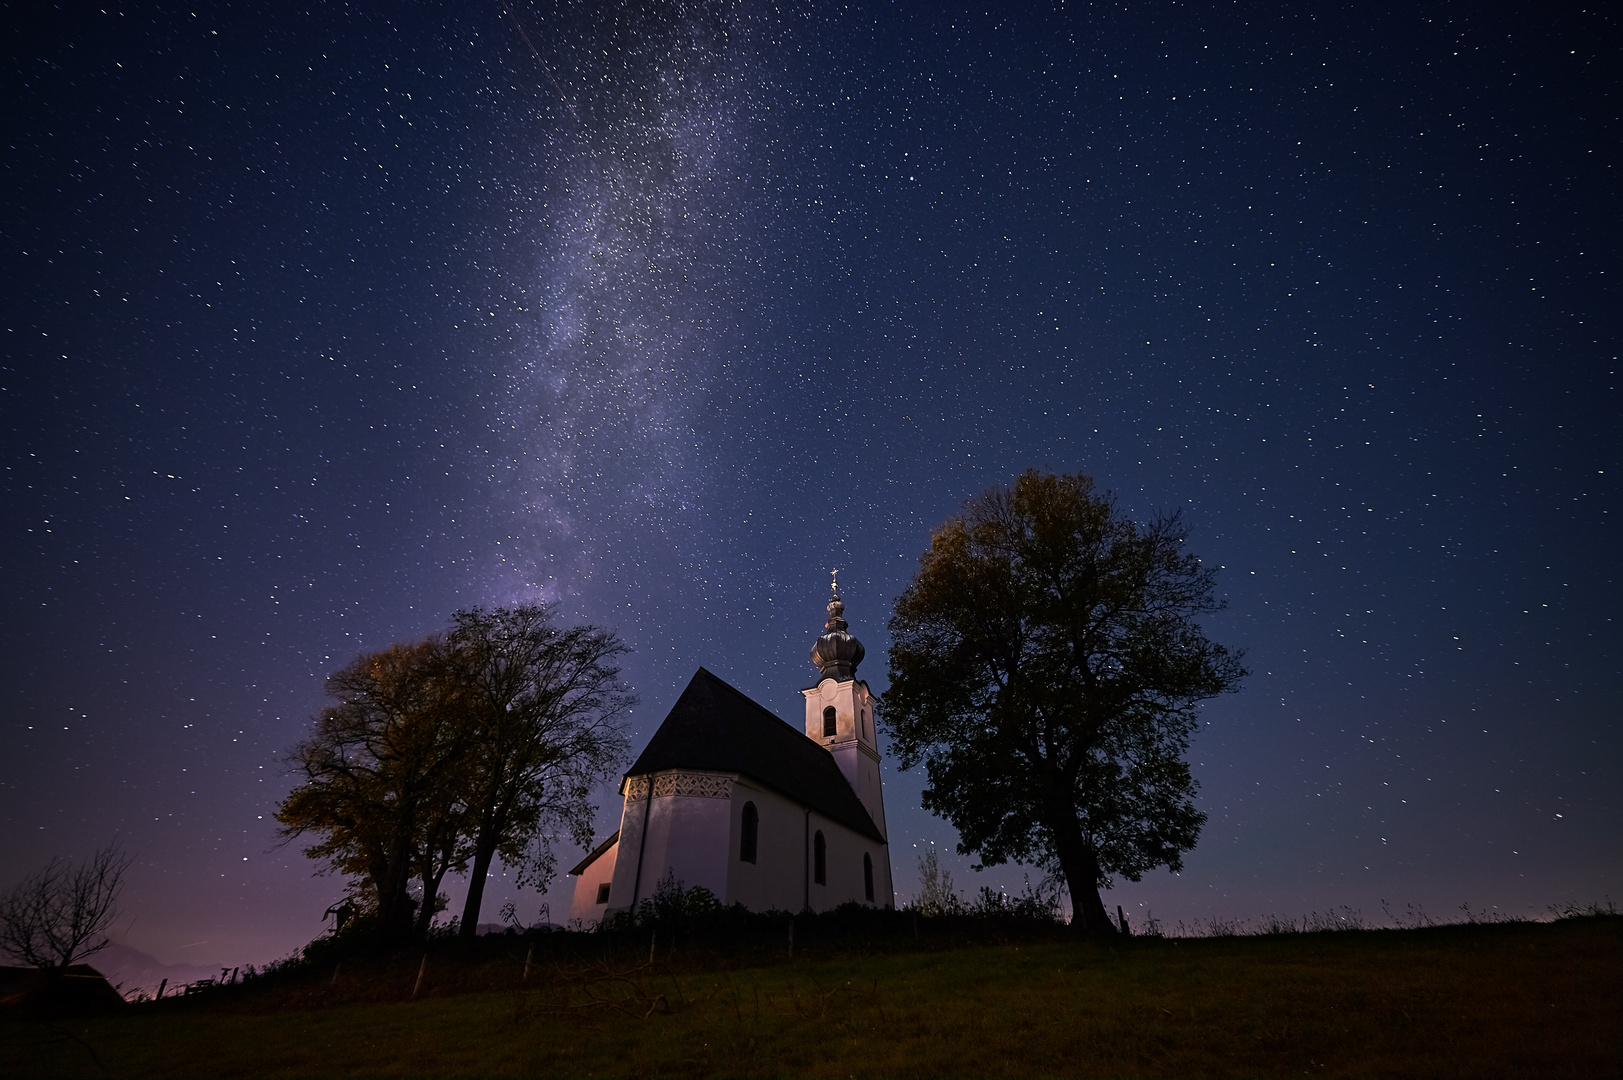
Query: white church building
[(729, 797)]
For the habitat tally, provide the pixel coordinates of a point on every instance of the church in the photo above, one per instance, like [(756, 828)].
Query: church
[(729, 797)]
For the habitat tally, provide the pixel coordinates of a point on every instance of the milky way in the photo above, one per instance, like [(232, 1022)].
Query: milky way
[(628, 226)]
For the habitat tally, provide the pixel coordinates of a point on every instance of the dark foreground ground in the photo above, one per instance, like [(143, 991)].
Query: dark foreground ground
[(1512, 999)]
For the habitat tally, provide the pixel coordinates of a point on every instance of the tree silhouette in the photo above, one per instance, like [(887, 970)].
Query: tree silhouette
[(380, 779), (545, 707), (58, 916), (441, 756), (1045, 667)]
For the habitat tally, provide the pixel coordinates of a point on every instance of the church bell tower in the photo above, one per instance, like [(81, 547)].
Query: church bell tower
[(839, 709)]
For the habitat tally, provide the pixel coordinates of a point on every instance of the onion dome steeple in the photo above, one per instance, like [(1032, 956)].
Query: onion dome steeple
[(837, 653)]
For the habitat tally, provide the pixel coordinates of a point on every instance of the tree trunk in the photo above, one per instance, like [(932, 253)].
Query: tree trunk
[(1080, 866), (435, 865), (431, 889), (482, 857), (492, 823), (391, 876)]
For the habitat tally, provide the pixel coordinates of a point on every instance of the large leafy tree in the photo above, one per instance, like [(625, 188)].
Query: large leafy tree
[(442, 756), (380, 779), (545, 707), (1046, 667)]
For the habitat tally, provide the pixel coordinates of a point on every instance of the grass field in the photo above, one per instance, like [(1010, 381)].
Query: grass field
[(1510, 999)]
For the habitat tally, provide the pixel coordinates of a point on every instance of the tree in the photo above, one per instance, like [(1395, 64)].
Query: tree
[(380, 780), (1046, 667), (545, 708), (54, 918), (453, 751), (936, 894)]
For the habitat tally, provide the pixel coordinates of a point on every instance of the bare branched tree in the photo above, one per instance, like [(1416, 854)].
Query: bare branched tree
[(60, 915), (936, 893)]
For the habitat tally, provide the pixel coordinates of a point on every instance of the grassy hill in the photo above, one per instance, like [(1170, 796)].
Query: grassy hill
[(1508, 999)]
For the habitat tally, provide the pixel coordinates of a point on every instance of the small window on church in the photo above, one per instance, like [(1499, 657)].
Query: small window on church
[(603, 893), (819, 859), (867, 876), (828, 722), (748, 833)]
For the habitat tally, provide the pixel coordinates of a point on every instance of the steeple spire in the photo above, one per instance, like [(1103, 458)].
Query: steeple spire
[(837, 653)]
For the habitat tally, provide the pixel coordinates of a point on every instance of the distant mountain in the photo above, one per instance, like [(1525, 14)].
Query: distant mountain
[(130, 971)]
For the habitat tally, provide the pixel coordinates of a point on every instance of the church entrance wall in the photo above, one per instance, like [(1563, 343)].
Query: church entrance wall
[(585, 908)]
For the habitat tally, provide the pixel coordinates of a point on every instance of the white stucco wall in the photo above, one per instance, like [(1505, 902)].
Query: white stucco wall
[(855, 743), (584, 908), (776, 880), (696, 839), (687, 837), (859, 764), (845, 849)]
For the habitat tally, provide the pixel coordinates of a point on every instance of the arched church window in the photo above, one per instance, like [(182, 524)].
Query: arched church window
[(867, 876), (828, 722), (819, 859), (748, 834)]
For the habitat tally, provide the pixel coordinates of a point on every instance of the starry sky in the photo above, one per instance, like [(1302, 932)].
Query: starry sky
[(323, 323)]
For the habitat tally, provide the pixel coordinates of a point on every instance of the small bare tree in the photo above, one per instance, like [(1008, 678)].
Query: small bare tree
[(60, 915), (936, 893)]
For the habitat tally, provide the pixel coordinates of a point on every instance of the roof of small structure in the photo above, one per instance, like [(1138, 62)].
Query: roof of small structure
[(74, 989), (716, 728), (597, 852)]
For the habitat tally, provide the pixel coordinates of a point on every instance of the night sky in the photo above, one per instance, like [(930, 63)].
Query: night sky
[(322, 324)]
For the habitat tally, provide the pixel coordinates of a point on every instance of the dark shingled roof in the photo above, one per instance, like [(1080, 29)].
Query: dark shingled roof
[(714, 727)]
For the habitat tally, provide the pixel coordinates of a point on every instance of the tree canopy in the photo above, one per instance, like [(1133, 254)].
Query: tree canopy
[(544, 707), (441, 756), (380, 779), (1046, 668)]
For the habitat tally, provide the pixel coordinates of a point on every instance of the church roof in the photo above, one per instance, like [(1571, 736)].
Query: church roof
[(716, 728)]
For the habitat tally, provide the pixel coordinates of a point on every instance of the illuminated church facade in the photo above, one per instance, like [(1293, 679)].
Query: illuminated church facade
[(729, 797)]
